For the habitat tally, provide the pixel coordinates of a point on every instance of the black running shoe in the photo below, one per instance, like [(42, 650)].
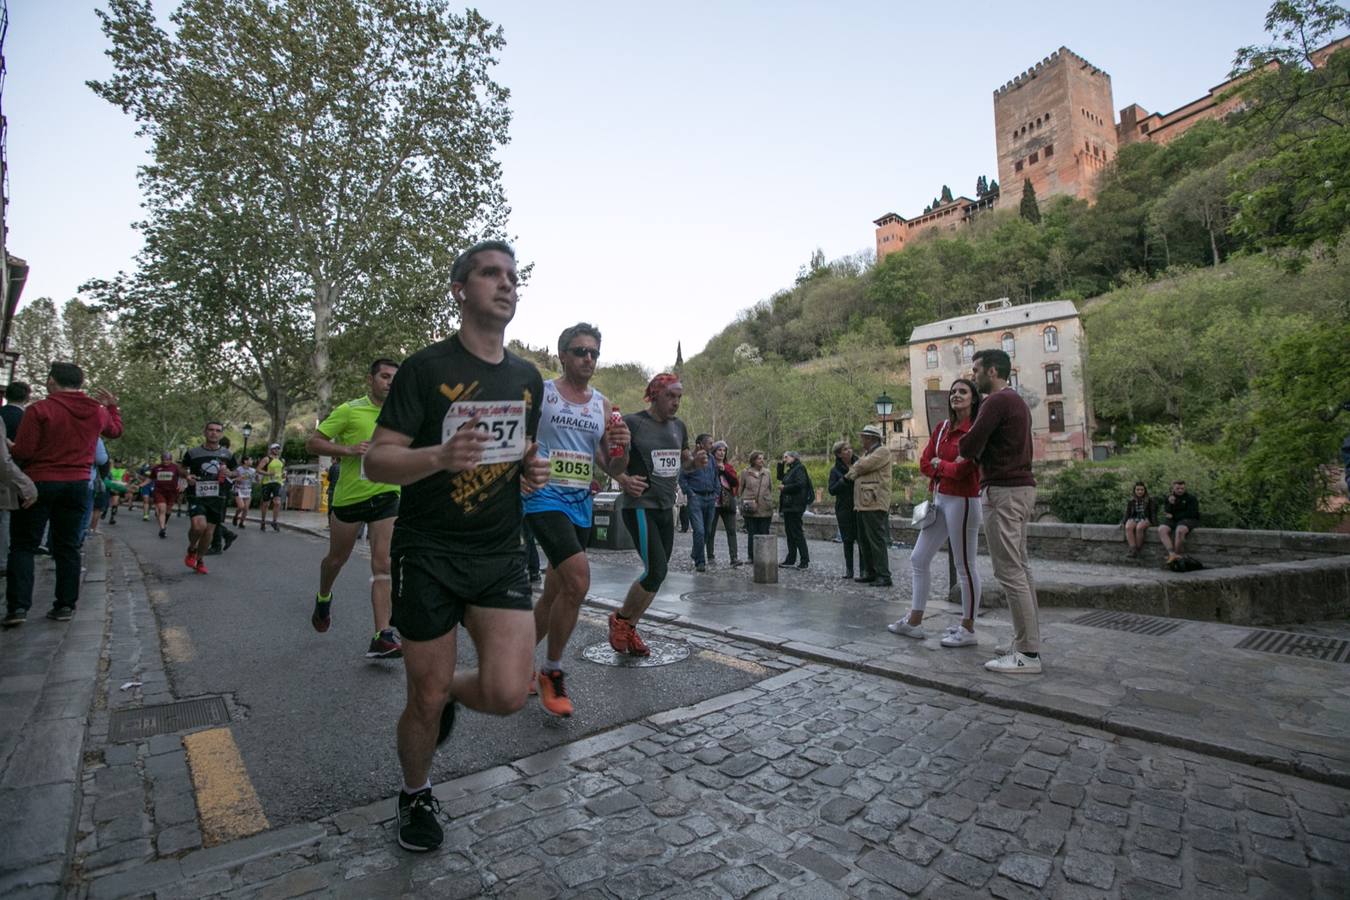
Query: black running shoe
[(418, 827), (162, 534), (322, 617), (61, 614), (276, 527), (447, 723), (230, 538)]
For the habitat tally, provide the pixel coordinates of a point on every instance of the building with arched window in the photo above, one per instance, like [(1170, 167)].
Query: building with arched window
[(1045, 342)]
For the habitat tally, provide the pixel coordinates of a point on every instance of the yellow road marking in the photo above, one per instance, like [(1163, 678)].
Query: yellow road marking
[(732, 662), (177, 645), (226, 802)]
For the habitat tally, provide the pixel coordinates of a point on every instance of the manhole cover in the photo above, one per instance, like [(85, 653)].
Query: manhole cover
[(1288, 643), (736, 597), (663, 654), (166, 718), (1119, 621)]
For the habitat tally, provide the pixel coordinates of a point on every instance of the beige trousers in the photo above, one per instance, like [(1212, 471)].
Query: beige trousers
[(1007, 510)]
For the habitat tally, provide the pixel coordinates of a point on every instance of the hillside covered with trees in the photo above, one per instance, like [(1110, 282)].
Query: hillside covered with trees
[(1211, 272)]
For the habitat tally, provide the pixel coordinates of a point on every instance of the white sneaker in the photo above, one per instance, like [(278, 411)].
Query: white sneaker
[(902, 627), (1015, 664), (959, 638), (1002, 650), (952, 629)]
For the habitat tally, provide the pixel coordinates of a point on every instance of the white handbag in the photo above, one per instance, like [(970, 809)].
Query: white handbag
[(926, 513)]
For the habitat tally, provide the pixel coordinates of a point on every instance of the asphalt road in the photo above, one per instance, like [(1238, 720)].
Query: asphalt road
[(314, 719)]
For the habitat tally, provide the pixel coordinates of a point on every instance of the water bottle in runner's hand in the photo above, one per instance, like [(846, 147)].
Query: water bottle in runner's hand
[(615, 419)]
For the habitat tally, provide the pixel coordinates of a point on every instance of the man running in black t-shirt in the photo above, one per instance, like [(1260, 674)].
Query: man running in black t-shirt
[(206, 468), (457, 431)]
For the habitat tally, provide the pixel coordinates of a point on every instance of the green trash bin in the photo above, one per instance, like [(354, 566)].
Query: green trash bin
[(607, 530)]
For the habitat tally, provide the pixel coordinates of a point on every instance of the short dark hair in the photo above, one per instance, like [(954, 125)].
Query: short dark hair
[(380, 364), (67, 375), (210, 422), (18, 392), (1179, 481), (998, 360), (701, 438), (463, 267), (225, 442), (570, 334)]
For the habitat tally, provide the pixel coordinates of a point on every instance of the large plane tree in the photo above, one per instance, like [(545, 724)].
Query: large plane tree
[(349, 144)]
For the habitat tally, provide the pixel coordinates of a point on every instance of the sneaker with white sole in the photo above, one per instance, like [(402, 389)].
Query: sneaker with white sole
[(1015, 664), (959, 638), (905, 629)]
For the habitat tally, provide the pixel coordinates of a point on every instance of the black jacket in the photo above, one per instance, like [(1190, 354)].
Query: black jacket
[(1175, 509), (841, 489), (797, 491)]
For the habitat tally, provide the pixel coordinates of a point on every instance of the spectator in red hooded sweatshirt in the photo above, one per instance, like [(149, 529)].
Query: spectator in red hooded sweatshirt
[(55, 448)]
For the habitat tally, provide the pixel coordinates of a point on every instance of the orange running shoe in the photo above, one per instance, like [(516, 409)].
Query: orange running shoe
[(623, 637), (618, 633), (201, 566), (637, 646), (552, 693), (190, 560)]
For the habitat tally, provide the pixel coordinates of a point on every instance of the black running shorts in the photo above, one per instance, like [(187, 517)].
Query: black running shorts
[(269, 491), (212, 508), (653, 532), (432, 589), (558, 536), (372, 509)]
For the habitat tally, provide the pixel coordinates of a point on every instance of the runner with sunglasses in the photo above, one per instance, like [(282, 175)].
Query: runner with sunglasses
[(576, 436)]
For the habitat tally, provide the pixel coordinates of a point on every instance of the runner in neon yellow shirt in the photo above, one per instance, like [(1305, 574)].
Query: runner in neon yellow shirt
[(271, 472), (345, 434)]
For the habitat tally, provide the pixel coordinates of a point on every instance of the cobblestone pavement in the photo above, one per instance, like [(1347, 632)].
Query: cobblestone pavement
[(818, 782)]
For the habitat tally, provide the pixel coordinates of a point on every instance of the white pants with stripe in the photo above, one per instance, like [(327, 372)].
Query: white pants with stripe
[(959, 519)]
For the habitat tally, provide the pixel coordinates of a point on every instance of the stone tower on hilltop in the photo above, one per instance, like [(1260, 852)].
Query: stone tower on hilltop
[(1055, 125)]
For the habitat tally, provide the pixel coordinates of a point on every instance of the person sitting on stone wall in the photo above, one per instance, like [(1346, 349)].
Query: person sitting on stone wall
[(1181, 516), (1140, 515)]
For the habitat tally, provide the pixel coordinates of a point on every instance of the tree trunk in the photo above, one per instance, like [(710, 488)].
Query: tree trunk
[(1214, 247), (325, 297)]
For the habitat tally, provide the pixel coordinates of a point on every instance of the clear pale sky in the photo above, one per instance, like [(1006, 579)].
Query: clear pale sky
[(669, 166)]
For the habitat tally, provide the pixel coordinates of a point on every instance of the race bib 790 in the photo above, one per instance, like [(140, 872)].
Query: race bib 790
[(502, 420), (665, 463)]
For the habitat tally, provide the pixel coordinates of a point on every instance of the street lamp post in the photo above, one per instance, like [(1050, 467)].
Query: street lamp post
[(884, 406), (246, 431)]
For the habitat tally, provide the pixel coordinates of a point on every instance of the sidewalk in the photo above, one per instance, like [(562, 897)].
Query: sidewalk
[(47, 685), (1189, 687)]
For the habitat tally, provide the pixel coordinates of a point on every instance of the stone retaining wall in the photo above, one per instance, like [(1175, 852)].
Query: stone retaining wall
[(1255, 577), (1215, 547)]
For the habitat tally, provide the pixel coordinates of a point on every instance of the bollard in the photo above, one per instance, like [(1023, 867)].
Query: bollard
[(766, 559)]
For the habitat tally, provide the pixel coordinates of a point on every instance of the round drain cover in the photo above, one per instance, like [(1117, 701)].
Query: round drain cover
[(663, 654), (720, 597)]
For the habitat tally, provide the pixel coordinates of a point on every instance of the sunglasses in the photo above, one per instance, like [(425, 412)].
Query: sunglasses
[(579, 352)]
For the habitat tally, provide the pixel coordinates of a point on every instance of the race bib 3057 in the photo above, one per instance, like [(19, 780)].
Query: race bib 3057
[(502, 420)]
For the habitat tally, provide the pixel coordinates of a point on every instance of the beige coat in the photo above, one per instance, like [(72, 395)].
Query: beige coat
[(756, 493), (14, 484), (871, 477)]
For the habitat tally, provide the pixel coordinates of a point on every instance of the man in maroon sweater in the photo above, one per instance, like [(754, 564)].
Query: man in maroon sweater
[(1000, 441), (55, 448)]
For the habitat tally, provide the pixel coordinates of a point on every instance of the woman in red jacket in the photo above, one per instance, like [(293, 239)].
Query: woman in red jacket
[(955, 488)]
